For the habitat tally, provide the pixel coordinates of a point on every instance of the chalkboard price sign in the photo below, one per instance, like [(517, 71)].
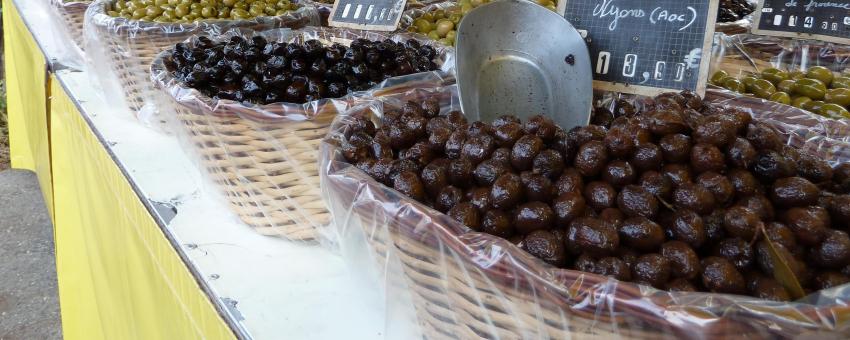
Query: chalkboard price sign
[(646, 46), (821, 20), (377, 15)]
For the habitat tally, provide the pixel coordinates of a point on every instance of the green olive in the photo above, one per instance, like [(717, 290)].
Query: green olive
[(820, 73), (800, 101), (840, 83), (786, 86), (434, 35), (748, 82), (833, 111), (763, 88), (733, 84), (774, 75), (444, 26), (780, 97), (813, 106), (838, 96), (718, 77), (811, 88), (190, 10), (795, 75), (422, 25)]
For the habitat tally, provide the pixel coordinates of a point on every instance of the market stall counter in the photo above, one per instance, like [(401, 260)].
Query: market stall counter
[(143, 249)]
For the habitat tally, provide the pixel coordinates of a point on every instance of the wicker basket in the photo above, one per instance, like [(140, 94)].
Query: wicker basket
[(265, 159), (131, 45), (73, 15), (473, 285)]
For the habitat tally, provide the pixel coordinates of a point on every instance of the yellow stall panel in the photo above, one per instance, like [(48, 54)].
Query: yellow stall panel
[(119, 277)]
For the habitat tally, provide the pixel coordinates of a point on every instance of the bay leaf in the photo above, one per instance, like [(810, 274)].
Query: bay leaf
[(782, 271)]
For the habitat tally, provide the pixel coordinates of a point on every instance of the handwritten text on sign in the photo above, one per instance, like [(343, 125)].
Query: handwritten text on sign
[(822, 20), (646, 46)]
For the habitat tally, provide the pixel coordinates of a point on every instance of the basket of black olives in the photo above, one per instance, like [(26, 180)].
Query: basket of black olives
[(256, 106), (124, 36), (684, 218), (72, 14), (733, 16)]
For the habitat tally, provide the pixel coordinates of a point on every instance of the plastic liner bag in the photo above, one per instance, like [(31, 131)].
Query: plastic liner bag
[(264, 158), (69, 18), (121, 50), (442, 280)]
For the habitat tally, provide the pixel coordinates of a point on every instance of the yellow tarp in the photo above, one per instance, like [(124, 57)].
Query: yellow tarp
[(26, 95), (119, 277)]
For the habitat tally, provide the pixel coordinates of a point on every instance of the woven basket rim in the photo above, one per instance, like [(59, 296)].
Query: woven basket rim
[(84, 4)]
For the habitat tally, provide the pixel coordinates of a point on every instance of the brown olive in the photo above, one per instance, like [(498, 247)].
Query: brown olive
[(580, 135), (665, 121), (585, 263), (741, 153), (829, 279), (678, 174), (719, 185), (460, 173), (680, 285), (507, 191), (420, 153), (715, 130), (456, 120), (533, 216), (448, 198), (634, 201), (435, 176), (693, 197), (613, 267), (408, 183), (833, 251), (544, 245), (688, 227), (507, 134), (592, 236), (841, 177), (479, 128), (454, 145), (839, 209), (591, 158), (707, 157), (675, 148), (808, 224), (619, 173), (600, 195), (760, 205), (400, 136), (467, 215), (502, 155), (737, 251), (478, 148), (541, 126), (771, 166), (646, 157), (744, 182), (537, 187), (548, 163), (656, 184), (814, 169), (720, 276), (652, 269), (766, 262), (568, 207), (781, 234), (435, 124), (524, 151), (641, 233), (794, 192), (763, 137), (480, 198), (601, 117), (769, 289), (498, 223), (488, 171), (619, 142), (570, 181), (612, 216), (505, 119), (684, 262), (714, 229), (741, 222)]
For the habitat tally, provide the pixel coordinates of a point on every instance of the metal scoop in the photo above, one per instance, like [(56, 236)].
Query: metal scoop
[(516, 57)]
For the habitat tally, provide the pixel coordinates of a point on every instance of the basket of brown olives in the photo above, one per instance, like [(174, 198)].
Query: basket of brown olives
[(127, 34), (683, 218), (73, 15), (733, 16), (256, 106)]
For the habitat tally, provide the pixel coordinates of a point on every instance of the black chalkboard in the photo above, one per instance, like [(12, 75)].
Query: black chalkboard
[(379, 15), (822, 20), (646, 46)]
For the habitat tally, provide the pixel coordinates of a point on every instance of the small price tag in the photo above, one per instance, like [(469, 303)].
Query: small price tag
[(819, 20), (375, 15), (646, 47)]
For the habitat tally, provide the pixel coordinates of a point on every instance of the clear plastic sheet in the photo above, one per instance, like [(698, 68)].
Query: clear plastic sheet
[(746, 53), (446, 281), (121, 49), (68, 19), (265, 157)]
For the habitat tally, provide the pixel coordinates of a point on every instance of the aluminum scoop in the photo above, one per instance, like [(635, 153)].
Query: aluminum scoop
[(516, 57)]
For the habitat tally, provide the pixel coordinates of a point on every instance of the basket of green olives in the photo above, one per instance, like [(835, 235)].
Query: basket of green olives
[(256, 106), (818, 89), (126, 35), (439, 21), (684, 217), (72, 14)]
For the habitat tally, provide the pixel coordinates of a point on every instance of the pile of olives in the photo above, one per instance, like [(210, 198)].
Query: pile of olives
[(177, 11), (685, 196), (264, 72), (441, 24), (818, 90), (734, 10)]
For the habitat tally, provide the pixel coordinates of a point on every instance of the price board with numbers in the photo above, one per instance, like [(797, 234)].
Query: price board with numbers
[(377, 15), (821, 20), (646, 46)]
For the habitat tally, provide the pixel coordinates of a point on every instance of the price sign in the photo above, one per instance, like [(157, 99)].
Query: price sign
[(377, 15), (646, 46), (821, 20)]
